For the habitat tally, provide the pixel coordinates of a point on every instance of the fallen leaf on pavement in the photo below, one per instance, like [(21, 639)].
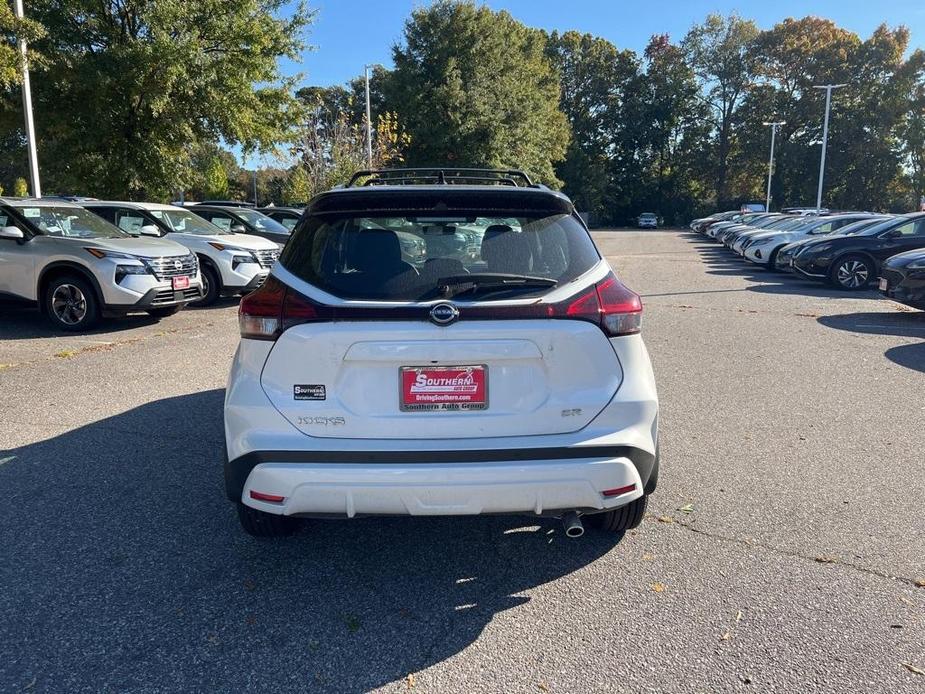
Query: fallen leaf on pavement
[(665, 519), (659, 587), (824, 559), (912, 668), (688, 508), (409, 680), (543, 686), (738, 616), (919, 583)]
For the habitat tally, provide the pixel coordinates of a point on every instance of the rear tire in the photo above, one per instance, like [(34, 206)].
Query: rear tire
[(165, 312), (71, 304), (620, 519), (263, 524)]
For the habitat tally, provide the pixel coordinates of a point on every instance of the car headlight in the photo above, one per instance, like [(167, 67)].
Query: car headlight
[(105, 253), (123, 270), (242, 258), (137, 267)]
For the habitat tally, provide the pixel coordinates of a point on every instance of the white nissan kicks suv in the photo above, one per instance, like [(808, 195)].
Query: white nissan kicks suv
[(502, 372), (76, 267), (229, 263)]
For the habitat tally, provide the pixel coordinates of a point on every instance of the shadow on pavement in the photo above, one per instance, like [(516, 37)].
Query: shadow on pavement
[(125, 569), (723, 261), (898, 323), (28, 324)]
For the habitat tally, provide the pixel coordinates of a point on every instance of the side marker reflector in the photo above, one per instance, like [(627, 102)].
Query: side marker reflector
[(614, 492), (260, 496)]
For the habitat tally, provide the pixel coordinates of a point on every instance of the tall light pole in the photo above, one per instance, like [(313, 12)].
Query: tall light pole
[(774, 126), (369, 117), (27, 109), (825, 135)]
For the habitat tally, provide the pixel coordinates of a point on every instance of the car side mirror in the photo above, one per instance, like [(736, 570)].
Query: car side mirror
[(238, 229), (149, 230), (12, 233)]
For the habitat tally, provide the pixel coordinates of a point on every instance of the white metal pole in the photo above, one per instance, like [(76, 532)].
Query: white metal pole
[(27, 109), (774, 125), (767, 202), (369, 122), (825, 137)]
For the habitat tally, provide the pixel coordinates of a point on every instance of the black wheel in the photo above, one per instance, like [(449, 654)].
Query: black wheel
[(165, 312), (263, 524), (71, 304), (852, 272), (211, 286), (620, 519)]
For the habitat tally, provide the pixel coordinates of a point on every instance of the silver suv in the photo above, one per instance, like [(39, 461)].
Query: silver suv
[(229, 263), (76, 267)]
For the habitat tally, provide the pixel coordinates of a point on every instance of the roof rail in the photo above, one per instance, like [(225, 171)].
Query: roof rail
[(440, 176)]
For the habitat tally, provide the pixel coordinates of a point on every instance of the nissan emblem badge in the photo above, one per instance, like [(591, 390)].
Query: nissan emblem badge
[(443, 314)]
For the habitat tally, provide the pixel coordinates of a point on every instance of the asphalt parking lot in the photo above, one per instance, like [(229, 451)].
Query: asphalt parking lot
[(782, 551)]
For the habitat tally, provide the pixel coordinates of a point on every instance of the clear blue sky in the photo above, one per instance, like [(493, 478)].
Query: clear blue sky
[(349, 33)]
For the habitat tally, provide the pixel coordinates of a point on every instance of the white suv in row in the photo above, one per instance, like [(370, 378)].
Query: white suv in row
[(76, 267), (502, 371), (230, 263)]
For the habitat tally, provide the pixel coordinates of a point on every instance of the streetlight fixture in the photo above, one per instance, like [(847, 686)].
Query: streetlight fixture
[(27, 109), (369, 118), (774, 126), (825, 135)]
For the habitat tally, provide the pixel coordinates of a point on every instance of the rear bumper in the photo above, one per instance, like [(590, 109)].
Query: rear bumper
[(529, 481)]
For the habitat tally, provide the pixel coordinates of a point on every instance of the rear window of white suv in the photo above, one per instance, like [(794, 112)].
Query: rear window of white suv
[(409, 257)]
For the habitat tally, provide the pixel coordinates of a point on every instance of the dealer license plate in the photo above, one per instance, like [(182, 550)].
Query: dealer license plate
[(181, 282), (444, 388)]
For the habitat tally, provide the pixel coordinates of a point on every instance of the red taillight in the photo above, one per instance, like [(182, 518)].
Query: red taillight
[(621, 307), (617, 309), (265, 313), (273, 498)]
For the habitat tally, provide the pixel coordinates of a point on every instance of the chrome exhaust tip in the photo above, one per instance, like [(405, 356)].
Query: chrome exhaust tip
[(572, 524)]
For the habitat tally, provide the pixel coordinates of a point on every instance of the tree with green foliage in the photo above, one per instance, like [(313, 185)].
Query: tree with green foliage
[(133, 83), (12, 30), (721, 51), (677, 124), (600, 93), (298, 186), (474, 87), (20, 188), (216, 180)]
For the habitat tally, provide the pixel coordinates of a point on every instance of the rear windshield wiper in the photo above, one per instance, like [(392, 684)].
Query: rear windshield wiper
[(456, 285)]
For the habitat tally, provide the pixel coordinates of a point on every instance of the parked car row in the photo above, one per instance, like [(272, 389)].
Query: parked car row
[(79, 262), (848, 250)]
